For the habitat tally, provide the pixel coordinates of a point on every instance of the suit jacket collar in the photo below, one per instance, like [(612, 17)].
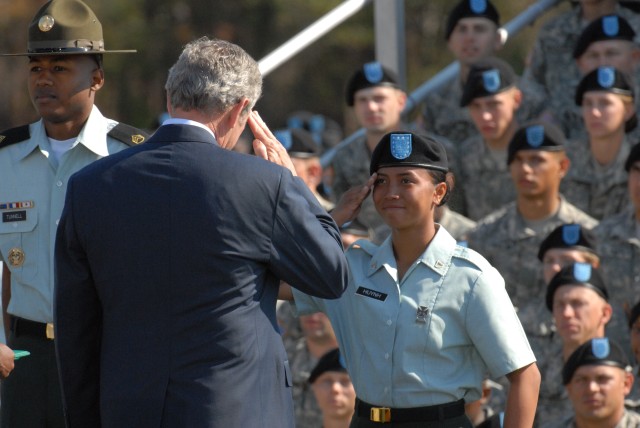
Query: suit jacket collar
[(181, 133)]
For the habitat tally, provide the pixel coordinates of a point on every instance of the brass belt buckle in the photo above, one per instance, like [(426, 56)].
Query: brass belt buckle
[(380, 414), (50, 331)]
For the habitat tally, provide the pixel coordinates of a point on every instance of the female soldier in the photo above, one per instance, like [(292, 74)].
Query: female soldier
[(597, 182), (423, 319)]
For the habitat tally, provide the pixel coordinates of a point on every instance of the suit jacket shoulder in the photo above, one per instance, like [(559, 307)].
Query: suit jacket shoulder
[(14, 135)]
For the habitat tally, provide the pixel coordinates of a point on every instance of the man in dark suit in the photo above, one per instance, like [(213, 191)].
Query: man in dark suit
[(168, 260)]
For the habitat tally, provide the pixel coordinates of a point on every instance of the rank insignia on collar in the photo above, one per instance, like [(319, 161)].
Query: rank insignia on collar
[(421, 314)]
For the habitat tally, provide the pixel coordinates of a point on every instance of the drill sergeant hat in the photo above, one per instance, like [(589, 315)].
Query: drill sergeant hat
[(596, 352), (569, 236), (578, 274), (369, 75), (65, 27), (487, 77), (608, 27), (471, 9), (536, 135)]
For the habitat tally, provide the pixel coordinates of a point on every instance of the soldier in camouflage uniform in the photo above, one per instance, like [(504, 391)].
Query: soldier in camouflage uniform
[(578, 302), (472, 34), (305, 339), (492, 98), (374, 94), (456, 224), (597, 377), (555, 65), (510, 237), (597, 181), (378, 103), (618, 243)]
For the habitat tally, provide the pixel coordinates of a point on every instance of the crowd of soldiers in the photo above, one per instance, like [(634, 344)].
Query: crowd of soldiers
[(547, 172)]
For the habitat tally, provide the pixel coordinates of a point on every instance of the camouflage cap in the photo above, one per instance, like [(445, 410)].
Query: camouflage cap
[(65, 27), (596, 352)]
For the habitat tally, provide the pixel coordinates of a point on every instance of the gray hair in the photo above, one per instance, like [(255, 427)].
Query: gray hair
[(211, 76)]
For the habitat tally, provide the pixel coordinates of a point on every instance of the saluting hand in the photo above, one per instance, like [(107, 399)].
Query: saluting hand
[(350, 202), (266, 145)]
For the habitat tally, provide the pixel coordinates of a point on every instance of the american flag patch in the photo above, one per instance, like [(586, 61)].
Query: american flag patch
[(16, 205)]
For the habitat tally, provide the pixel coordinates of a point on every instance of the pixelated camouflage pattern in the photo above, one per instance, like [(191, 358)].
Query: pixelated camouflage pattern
[(485, 182), (443, 115), (599, 191), (619, 251), (552, 69), (629, 420), (456, 224), (553, 401), (505, 240)]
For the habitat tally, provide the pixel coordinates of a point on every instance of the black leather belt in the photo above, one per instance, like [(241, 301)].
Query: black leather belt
[(21, 326), (438, 412)]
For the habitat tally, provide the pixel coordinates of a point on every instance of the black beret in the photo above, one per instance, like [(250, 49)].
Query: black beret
[(489, 76), (570, 235), (580, 274), (607, 79), (471, 9), (608, 27), (536, 135), (408, 149), (369, 75), (597, 352), (635, 313), (298, 142), (633, 157), (332, 361)]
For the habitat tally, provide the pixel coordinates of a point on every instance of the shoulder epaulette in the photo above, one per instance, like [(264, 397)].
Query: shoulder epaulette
[(128, 134), (14, 135), (364, 245)]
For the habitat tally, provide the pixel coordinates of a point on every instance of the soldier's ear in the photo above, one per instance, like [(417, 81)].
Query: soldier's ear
[(97, 79)]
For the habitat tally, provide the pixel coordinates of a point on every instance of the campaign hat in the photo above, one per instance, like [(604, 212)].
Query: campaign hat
[(65, 27)]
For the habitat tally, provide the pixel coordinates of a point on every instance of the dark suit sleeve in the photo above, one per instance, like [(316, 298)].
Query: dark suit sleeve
[(306, 245), (78, 323)]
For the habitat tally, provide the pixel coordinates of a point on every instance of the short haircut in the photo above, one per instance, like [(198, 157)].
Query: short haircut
[(211, 76)]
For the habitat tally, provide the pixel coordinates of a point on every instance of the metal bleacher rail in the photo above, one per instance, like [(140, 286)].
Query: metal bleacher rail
[(350, 7)]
